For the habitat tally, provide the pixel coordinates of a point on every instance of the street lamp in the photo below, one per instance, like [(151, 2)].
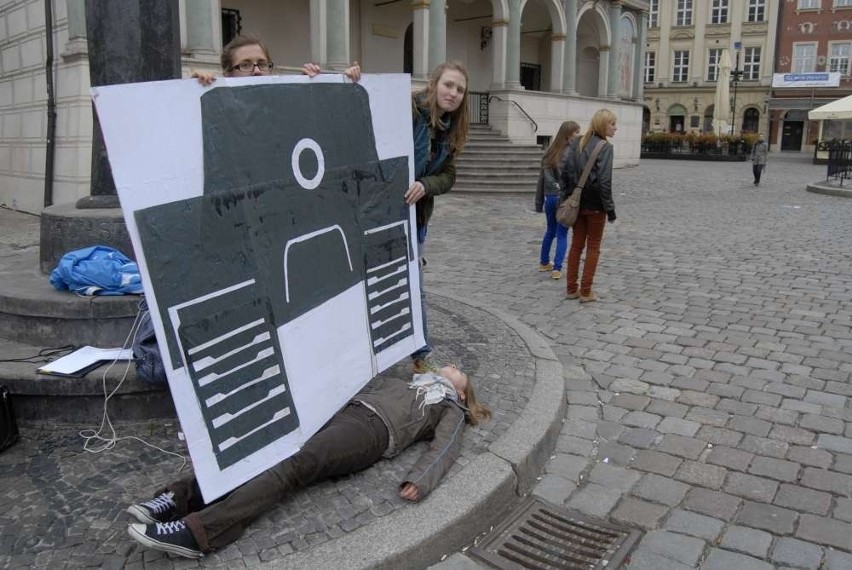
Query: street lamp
[(736, 75)]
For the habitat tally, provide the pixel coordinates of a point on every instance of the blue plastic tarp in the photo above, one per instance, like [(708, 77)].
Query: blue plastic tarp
[(97, 270)]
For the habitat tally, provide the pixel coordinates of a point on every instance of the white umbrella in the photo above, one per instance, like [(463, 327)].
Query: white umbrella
[(722, 101), (838, 110)]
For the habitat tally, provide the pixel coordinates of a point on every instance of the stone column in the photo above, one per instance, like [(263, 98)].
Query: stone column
[(203, 30), (513, 45), (569, 83), (437, 33), (76, 47), (499, 35), (337, 20), (603, 71), (76, 18), (319, 32), (557, 64), (420, 39), (639, 64), (614, 44), (129, 41)]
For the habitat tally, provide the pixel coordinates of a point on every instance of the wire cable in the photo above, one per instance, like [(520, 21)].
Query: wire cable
[(97, 441)]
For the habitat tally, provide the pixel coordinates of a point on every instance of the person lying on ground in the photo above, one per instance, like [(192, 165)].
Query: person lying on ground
[(247, 56), (385, 417)]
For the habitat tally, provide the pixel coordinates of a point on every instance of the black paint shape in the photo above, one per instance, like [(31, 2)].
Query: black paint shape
[(250, 132)]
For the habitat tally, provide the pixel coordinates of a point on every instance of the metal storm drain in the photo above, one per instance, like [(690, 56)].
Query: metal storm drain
[(540, 536)]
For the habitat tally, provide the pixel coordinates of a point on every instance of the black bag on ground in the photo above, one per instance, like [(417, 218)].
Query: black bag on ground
[(8, 424), (146, 351)]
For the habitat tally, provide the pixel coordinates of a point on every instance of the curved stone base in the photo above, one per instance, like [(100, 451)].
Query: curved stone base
[(830, 188), (65, 227)]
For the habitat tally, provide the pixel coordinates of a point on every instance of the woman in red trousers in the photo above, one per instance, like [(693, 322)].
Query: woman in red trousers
[(596, 205)]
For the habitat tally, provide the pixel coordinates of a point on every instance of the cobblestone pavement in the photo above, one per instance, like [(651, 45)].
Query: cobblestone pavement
[(63, 507), (715, 411)]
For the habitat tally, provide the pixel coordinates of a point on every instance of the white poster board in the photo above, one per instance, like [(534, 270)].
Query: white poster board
[(278, 256)]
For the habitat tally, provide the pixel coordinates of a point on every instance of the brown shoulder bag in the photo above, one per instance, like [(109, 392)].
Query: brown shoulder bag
[(569, 209)]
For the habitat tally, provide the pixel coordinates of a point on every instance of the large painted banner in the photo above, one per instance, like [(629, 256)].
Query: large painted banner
[(277, 252)]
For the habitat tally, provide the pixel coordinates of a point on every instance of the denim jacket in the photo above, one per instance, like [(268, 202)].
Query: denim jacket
[(434, 164)]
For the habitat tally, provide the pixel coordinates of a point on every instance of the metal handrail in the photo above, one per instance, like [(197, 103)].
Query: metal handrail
[(839, 160), (521, 109)]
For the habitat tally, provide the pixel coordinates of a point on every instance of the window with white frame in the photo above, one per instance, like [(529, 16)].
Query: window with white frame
[(680, 65), (804, 58), (808, 4), (751, 63), (683, 17), (713, 57), (841, 3), (756, 10), (719, 12), (650, 66), (838, 57), (654, 14)]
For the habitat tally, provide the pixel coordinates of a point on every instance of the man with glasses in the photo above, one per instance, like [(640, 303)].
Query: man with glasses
[(246, 56)]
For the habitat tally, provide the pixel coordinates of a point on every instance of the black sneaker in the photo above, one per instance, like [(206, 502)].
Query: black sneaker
[(158, 509), (174, 537)]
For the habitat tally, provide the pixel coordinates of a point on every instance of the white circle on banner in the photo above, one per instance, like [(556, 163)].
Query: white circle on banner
[(302, 145)]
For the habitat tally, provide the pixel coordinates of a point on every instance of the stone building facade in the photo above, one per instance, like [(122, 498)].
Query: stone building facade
[(686, 40), (540, 62)]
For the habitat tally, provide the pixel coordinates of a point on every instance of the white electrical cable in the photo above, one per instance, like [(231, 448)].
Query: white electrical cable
[(95, 441)]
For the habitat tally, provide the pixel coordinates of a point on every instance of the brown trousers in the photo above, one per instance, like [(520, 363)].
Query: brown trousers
[(586, 233), (351, 441)]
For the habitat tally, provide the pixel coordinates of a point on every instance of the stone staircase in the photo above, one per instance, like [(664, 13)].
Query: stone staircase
[(490, 162), (34, 318)]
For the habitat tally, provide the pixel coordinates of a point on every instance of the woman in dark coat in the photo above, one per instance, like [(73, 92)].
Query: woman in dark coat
[(596, 205)]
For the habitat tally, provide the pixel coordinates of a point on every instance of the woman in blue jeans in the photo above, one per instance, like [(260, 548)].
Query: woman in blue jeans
[(547, 199)]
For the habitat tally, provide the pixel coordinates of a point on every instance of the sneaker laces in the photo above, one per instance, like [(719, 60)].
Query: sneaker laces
[(170, 527), (162, 503)]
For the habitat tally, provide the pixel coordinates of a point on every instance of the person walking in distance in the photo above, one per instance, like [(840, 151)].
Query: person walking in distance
[(547, 195), (596, 204), (759, 152)]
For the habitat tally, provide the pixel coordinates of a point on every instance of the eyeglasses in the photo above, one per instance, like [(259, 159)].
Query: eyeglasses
[(248, 66)]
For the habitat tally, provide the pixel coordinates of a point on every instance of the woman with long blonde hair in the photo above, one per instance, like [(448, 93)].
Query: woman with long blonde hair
[(547, 194), (440, 125), (596, 205)]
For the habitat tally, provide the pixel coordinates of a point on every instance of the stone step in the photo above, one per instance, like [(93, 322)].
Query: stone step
[(507, 154), (501, 145), (46, 397), (525, 185), (496, 175), (490, 163), (33, 312), (508, 189)]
